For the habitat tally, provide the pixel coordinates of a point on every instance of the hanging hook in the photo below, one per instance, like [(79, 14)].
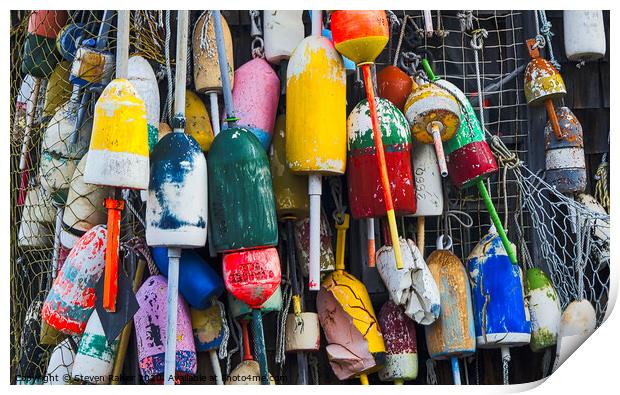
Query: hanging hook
[(256, 32)]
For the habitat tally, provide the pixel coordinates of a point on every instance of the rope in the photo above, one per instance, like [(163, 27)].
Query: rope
[(335, 186), (223, 349), (238, 339), (313, 364), (477, 43), (505, 369), (601, 190), (545, 30), (287, 294), (400, 39), (168, 106), (466, 20), (431, 377)]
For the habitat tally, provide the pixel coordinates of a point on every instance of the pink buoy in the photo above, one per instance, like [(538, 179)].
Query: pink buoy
[(71, 299), (150, 323), (255, 97)]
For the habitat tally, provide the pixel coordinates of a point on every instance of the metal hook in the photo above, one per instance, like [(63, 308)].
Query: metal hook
[(440, 245)]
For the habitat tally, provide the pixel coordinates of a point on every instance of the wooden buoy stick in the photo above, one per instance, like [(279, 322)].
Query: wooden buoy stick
[(420, 235), (223, 62), (364, 379), (174, 254), (215, 113), (24, 157), (215, 364), (370, 230), (57, 228), (553, 118), (496, 221), (385, 182)]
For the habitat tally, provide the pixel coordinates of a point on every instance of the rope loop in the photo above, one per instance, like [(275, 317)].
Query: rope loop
[(477, 40)]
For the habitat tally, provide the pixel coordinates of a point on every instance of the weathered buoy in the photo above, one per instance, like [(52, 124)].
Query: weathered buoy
[(316, 125), (142, 77), (255, 97), (209, 330), (241, 204), (452, 336), (239, 309), (197, 121), (468, 156), (500, 315), (248, 370), (290, 190), (84, 208), (348, 64), (150, 324), (434, 116), (284, 29), (401, 356), (428, 187), (394, 85), (545, 311), (584, 35), (39, 55), (364, 180), (542, 85), (95, 356), (68, 38), (118, 152), (207, 76), (302, 338), (601, 227), (60, 363), (92, 66), (58, 89), (343, 300), (71, 299), (411, 287), (178, 175), (198, 282), (327, 262), (577, 324), (565, 161), (36, 223)]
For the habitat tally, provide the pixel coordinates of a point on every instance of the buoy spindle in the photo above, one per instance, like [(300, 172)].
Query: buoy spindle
[(497, 222)]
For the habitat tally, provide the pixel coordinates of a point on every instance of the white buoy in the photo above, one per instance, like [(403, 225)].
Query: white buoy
[(578, 323), (60, 364), (584, 35), (284, 29)]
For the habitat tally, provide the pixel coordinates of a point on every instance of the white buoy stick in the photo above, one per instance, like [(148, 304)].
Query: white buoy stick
[(122, 44), (215, 364), (215, 113)]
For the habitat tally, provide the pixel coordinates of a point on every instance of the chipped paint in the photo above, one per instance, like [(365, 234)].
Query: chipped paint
[(95, 356), (92, 66), (327, 261), (401, 357), (428, 183), (207, 77), (208, 328), (142, 77), (542, 82), (544, 306), (429, 103), (239, 309)]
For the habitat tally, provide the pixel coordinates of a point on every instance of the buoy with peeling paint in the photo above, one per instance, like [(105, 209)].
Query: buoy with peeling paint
[(92, 66), (255, 96), (71, 299), (209, 330), (401, 356), (207, 76), (545, 312), (343, 302), (283, 30), (178, 175), (316, 125), (241, 204), (565, 160), (36, 226), (452, 336), (198, 282), (365, 189), (239, 309), (118, 151), (327, 262), (584, 35), (39, 55), (141, 75), (394, 85), (60, 363), (601, 226), (197, 121), (150, 326), (68, 38), (248, 370), (94, 359), (411, 287), (500, 314), (577, 324)]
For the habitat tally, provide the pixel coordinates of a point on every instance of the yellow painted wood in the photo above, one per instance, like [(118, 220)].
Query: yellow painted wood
[(197, 121), (58, 89), (316, 108), (432, 104), (207, 76), (120, 120)]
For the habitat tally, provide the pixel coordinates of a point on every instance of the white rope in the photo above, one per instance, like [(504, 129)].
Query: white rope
[(431, 377)]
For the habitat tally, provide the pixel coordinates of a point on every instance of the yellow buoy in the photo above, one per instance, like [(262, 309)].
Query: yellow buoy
[(58, 89), (197, 121)]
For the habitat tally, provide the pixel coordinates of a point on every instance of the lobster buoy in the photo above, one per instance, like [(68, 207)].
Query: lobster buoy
[(428, 184), (327, 261), (59, 157), (452, 336), (577, 324), (38, 216), (92, 66), (118, 152), (347, 63), (198, 282), (248, 371), (178, 175), (394, 85), (401, 356), (241, 204), (209, 332), (584, 35), (197, 121), (290, 190), (67, 42), (411, 287), (239, 309), (150, 325), (84, 208), (207, 76), (284, 29), (365, 189), (255, 97), (500, 315), (468, 156), (545, 312), (71, 299), (434, 116), (60, 364), (95, 356), (141, 75), (31, 353), (306, 337), (58, 89), (565, 160), (40, 56), (601, 227)]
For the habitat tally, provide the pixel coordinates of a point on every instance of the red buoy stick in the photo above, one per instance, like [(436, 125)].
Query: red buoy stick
[(110, 281)]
